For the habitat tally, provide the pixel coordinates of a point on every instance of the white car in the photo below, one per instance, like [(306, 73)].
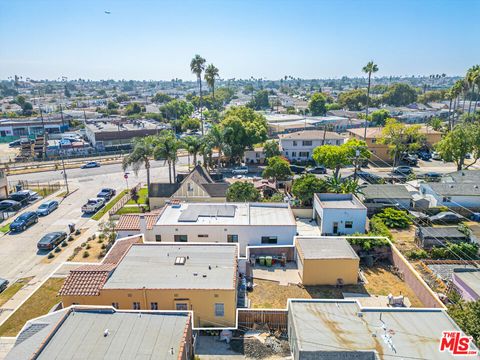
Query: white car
[(436, 156), (241, 170), (93, 205)]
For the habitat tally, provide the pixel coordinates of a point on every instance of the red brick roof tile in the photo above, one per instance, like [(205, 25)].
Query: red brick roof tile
[(87, 280)]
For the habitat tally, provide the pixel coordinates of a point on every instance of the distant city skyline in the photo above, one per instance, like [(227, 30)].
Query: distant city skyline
[(155, 40)]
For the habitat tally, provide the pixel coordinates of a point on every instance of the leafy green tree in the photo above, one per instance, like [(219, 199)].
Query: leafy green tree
[(278, 168), (378, 117), (395, 219), (400, 94), (192, 124), (161, 98), (211, 75), (197, 66), (435, 123), (369, 69), (176, 109), (467, 315), (259, 101), (27, 108), (67, 92), (305, 186), (241, 191), (401, 138), (134, 108), (432, 96), (112, 105), (122, 98), (463, 139), (271, 149), (354, 100), (317, 104), (337, 156), (140, 155)]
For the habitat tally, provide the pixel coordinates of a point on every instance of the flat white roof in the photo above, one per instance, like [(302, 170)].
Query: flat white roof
[(264, 214), (339, 201)]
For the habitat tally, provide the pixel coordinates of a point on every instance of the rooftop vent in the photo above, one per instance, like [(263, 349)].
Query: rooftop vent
[(180, 260)]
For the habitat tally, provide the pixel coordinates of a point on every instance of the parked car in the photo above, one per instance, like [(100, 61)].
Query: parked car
[(424, 155), (3, 284), (106, 193), (240, 170), (90, 164), (296, 169), (436, 156), (93, 205), (446, 217), (433, 176), (25, 220), (411, 160), (317, 170), (368, 177), (403, 170), (51, 240), (23, 196), (14, 143), (475, 216), (47, 207), (10, 205)]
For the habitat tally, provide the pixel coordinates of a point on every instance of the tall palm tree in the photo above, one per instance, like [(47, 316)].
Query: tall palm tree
[(477, 81), (211, 74), (197, 66), (193, 146), (215, 137), (142, 151), (472, 79), (166, 149), (370, 68)]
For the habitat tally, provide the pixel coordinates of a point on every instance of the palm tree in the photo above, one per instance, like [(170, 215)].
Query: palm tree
[(197, 66), (211, 74), (166, 149), (215, 138), (370, 68), (472, 78), (142, 151), (193, 145)]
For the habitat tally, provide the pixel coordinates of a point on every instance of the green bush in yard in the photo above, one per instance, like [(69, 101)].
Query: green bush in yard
[(367, 243), (378, 228), (455, 251), (417, 254), (394, 219)]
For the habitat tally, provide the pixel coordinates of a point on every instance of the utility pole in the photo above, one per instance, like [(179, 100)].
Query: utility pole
[(61, 114), (357, 156), (65, 175)]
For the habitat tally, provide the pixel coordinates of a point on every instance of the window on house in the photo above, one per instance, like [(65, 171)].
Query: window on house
[(257, 155), (304, 154), (294, 143), (190, 187), (269, 239), (294, 153), (219, 309), (374, 141), (181, 306), (136, 305), (232, 238), (203, 235), (348, 224), (180, 238), (115, 305), (153, 306), (158, 238), (286, 153), (307, 143)]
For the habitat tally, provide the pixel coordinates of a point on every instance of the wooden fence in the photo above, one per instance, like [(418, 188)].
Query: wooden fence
[(121, 203), (275, 319)]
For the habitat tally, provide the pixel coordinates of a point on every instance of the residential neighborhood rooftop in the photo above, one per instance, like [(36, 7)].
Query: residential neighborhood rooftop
[(377, 132), (325, 248), (311, 135), (456, 189), (381, 191), (339, 201), (343, 326), (470, 277), (441, 232), (102, 334), (227, 213), (172, 266)]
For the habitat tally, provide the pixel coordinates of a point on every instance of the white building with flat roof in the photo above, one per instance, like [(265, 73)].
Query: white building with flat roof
[(339, 214), (248, 224)]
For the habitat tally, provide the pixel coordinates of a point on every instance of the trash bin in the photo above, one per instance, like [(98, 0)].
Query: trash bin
[(71, 228), (268, 261), (18, 187), (262, 260)]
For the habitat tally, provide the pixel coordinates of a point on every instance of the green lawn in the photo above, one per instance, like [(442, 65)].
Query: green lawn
[(5, 228), (142, 197), (38, 304), (13, 289), (130, 210), (109, 205)]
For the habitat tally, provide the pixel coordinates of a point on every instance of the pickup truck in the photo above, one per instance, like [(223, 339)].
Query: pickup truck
[(93, 205)]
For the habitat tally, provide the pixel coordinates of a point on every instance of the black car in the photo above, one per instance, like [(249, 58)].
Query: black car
[(23, 196), (410, 160), (51, 240), (403, 170), (317, 170), (106, 193), (10, 205), (297, 169), (433, 176), (3, 284), (25, 220), (424, 155)]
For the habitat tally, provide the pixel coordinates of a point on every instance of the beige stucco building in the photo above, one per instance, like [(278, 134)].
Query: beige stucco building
[(326, 261), (201, 278)]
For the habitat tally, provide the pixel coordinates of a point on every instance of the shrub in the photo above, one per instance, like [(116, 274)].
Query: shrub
[(70, 238), (50, 255), (88, 247), (455, 251), (83, 244), (367, 243), (64, 244), (57, 249), (100, 241), (77, 232), (417, 254), (85, 254), (94, 236), (378, 228), (395, 219), (101, 236)]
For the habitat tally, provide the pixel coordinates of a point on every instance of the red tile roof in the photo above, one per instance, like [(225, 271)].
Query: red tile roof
[(132, 221), (119, 249), (87, 280)]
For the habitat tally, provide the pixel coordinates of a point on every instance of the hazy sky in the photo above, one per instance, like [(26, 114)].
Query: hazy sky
[(261, 38)]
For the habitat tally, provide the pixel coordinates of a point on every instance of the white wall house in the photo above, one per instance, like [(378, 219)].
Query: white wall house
[(452, 195), (299, 146), (339, 214), (248, 224)]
